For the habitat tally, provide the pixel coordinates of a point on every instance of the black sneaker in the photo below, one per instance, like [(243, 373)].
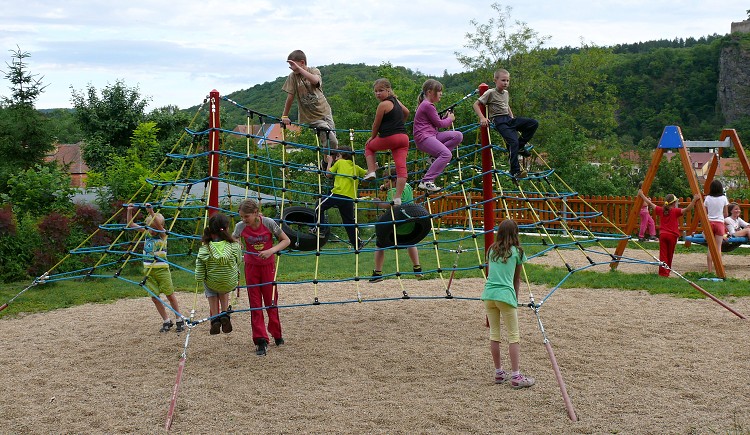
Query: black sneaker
[(166, 326), (226, 323), (418, 272), (180, 326), (215, 326), (526, 150), (376, 276), (279, 341), (261, 347)]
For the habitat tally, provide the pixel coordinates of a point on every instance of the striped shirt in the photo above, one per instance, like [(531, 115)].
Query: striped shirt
[(218, 265)]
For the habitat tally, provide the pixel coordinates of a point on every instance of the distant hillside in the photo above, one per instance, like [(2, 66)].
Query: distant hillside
[(657, 83), (268, 98)]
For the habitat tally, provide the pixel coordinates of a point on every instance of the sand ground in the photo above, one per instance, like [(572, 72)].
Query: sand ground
[(632, 363)]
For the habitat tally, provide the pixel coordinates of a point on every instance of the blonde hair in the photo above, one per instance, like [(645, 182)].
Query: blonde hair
[(669, 202), (500, 71), (385, 84), (156, 222)]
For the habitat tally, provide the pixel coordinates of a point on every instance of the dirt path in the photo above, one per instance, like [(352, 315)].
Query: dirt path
[(633, 363)]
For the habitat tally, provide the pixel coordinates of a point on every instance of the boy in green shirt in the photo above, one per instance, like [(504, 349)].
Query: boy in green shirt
[(345, 183)]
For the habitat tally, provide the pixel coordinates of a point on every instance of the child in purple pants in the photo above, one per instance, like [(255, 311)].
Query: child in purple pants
[(438, 144)]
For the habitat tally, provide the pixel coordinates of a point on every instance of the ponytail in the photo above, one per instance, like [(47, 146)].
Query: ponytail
[(420, 99)]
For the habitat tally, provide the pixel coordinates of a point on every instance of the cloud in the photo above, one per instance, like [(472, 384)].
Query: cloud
[(178, 52)]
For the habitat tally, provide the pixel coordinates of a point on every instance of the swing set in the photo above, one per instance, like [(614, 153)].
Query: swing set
[(671, 139)]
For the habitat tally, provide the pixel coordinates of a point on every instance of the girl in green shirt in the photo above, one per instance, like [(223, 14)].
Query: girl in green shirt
[(505, 260)]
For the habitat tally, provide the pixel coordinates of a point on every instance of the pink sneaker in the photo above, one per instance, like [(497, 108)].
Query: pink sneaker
[(521, 381), (502, 377)]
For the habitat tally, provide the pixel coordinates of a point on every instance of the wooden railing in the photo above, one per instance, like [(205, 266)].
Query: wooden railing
[(597, 213)]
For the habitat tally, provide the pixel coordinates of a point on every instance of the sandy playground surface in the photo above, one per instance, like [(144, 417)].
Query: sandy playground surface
[(632, 362)]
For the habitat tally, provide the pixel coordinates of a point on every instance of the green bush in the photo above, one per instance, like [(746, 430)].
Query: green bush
[(40, 190)]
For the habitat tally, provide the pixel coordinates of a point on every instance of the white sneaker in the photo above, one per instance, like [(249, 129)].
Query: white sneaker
[(428, 185), (396, 201), (369, 176)]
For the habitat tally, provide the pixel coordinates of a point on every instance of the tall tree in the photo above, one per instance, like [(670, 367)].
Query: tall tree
[(25, 87), (499, 43), (24, 137), (108, 120)]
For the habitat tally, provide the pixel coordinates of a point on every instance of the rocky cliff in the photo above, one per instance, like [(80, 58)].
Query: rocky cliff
[(734, 78)]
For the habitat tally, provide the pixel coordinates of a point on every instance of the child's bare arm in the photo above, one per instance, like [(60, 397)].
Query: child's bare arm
[(517, 279), (482, 120), (284, 241), (645, 199), (690, 206), (299, 69), (287, 108), (130, 217), (404, 110)]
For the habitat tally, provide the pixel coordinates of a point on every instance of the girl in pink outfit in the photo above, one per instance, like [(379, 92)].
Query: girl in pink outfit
[(428, 139), (647, 223), (388, 133)]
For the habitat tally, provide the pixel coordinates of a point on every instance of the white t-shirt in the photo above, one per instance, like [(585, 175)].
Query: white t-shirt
[(734, 225), (715, 207)]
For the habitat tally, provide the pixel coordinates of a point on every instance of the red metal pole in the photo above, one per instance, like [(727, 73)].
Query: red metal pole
[(213, 158), (487, 168), (715, 299), (175, 389), (560, 382)]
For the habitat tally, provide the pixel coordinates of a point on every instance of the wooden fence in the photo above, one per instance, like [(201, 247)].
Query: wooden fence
[(597, 213)]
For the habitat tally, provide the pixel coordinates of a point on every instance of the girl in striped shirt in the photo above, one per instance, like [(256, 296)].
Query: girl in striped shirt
[(218, 267)]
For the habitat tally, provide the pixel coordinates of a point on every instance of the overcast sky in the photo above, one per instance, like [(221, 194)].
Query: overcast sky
[(177, 52)]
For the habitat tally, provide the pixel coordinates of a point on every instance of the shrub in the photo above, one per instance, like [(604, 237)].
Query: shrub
[(7, 226), (16, 249), (54, 230), (40, 190)]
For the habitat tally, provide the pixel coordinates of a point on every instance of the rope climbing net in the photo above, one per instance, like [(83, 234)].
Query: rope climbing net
[(283, 169)]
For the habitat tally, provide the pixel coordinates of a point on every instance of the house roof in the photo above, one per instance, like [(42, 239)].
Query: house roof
[(269, 131), (69, 154)]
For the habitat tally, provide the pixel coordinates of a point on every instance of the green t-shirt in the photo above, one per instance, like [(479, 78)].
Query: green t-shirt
[(499, 285), (407, 196), (343, 181)]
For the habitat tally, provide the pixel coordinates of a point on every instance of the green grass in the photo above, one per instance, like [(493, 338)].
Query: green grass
[(294, 267)]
